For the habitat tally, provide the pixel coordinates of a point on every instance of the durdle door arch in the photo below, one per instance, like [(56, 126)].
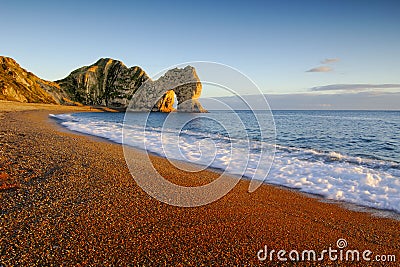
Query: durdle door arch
[(153, 95)]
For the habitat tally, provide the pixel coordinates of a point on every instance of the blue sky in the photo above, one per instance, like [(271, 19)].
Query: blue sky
[(275, 43)]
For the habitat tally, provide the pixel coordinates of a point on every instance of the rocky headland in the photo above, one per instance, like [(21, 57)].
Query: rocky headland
[(108, 83), (18, 84)]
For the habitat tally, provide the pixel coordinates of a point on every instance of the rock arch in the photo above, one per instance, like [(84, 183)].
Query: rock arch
[(159, 95), (166, 102)]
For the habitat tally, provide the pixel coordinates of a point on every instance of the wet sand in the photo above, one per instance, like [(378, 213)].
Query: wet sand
[(69, 199)]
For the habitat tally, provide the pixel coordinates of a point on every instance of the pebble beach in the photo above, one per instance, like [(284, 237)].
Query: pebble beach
[(69, 200)]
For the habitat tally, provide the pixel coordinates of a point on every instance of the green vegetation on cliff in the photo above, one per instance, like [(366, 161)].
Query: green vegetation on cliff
[(107, 82)]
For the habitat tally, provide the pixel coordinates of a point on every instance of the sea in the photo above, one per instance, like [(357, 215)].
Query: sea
[(347, 156)]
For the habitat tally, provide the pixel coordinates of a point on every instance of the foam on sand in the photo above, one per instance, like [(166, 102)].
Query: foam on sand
[(358, 180)]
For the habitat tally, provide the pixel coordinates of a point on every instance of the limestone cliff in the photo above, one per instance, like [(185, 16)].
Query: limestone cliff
[(159, 95), (107, 82), (17, 84)]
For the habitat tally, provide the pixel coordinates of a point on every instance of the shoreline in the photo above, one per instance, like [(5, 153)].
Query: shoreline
[(77, 204), (381, 213)]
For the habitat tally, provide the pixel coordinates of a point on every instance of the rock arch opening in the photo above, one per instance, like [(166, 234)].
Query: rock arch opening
[(183, 98), (167, 102), (185, 84)]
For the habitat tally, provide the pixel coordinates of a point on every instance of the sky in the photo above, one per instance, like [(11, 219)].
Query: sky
[(286, 47)]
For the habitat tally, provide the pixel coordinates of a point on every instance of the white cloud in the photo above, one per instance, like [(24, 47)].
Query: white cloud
[(320, 69), (354, 87), (330, 60)]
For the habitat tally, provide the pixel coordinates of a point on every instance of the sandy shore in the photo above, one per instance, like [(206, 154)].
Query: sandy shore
[(68, 199)]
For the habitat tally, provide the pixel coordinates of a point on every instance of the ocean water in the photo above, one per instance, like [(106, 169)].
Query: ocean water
[(351, 156)]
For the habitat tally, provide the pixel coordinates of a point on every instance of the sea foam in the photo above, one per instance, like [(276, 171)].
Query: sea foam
[(363, 181)]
